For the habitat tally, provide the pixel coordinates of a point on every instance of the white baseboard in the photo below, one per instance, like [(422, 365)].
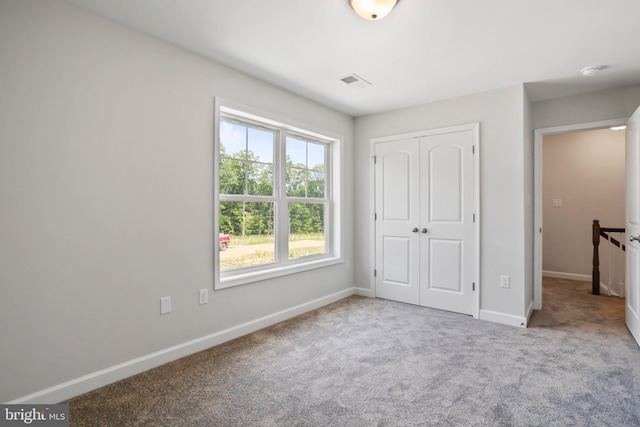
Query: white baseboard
[(505, 319), (568, 276), (365, 292), (604, 290), (121, 371), (529, 313)]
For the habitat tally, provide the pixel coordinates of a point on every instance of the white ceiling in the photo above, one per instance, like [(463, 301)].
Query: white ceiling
[(425, 50)]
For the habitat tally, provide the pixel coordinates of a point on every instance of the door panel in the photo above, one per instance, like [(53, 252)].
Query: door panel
[(393, 272), (396, 201), (445, 263), (445, 184), (397, 195), (447, 246), (632, 226)]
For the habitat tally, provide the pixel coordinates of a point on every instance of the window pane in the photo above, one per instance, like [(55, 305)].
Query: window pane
[(259, 179), (306, 229), (296, 182), (296, 152), (247, 228), (232, 176), (315, 184), (260, 143), (233, 140), (316, 156)]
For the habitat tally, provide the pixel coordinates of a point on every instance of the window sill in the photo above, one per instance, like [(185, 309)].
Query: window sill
[(270, 273)]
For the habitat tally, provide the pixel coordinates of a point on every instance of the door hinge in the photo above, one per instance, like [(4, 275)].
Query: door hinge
[(375, 273), (375, 216), (374, 159), (474, 217), (473, 286), (473, 149)]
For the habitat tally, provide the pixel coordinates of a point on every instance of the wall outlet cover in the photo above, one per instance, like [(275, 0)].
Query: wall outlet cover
[(165, 305), (505, 282)]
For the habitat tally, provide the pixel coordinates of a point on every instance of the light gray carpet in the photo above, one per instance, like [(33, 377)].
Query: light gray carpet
[(371, 362)]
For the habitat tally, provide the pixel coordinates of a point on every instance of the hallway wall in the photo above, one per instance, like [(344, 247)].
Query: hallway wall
[(586, 172)]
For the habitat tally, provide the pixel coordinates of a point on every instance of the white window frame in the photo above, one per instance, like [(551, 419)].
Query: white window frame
[(333, 191)]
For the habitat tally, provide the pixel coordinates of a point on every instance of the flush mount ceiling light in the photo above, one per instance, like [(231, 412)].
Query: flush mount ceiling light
[(618, 128), (373, 9), (590, 71)]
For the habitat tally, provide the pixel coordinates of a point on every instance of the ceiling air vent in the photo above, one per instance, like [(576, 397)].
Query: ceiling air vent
[(355, 80)]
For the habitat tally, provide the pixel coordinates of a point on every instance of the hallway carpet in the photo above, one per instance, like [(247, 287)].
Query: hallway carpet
[(372, 362)]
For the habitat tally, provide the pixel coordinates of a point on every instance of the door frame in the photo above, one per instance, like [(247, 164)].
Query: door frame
[(475, 128), (538, 135)]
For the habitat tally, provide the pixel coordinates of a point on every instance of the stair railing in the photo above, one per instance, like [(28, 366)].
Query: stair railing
[(597, 232)]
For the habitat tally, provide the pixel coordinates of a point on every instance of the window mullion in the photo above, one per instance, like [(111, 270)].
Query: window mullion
[(282, 207)]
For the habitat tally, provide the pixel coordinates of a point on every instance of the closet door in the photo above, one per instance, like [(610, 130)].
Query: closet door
[(425, 230), (397, 207), (446, 220)]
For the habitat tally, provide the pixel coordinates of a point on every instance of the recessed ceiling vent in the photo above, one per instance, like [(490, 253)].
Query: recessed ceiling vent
[(355, 80)]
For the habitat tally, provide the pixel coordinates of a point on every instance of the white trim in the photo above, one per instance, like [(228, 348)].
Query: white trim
[(135, 366), (604, 290), (364, 292), (372, 212), (279, 271), (568, 276), (478, 216), (539, 134), (503, 318), (529, 313), (475, 128)]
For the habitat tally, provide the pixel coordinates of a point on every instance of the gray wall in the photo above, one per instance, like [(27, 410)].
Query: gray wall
[(106, 169), (589, 107), (502, 226)]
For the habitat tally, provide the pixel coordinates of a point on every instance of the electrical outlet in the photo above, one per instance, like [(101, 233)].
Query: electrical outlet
[(203, 296), (505, 282), (165, 305)]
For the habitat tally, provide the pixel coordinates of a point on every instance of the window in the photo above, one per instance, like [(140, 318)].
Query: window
[(277, 211)]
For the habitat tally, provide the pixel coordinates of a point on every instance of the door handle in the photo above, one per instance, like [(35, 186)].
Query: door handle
[(415, 229), (424, 230), (636, 238)]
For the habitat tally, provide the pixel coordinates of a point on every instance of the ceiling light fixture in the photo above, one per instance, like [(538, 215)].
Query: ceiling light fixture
[(618, 128), (373, 9), (590, 71)]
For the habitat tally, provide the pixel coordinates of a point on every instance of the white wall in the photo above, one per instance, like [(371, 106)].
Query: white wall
[(500, 113), (586, 108), (586, 170), (106, 169)]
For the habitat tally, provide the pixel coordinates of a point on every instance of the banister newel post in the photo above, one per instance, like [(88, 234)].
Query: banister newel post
[(595, 275)]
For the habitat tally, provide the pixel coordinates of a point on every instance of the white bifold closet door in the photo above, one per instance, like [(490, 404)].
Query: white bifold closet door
[(424, 219)]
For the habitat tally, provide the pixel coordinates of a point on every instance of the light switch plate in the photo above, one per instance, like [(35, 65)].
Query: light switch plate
[(203, 296)]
